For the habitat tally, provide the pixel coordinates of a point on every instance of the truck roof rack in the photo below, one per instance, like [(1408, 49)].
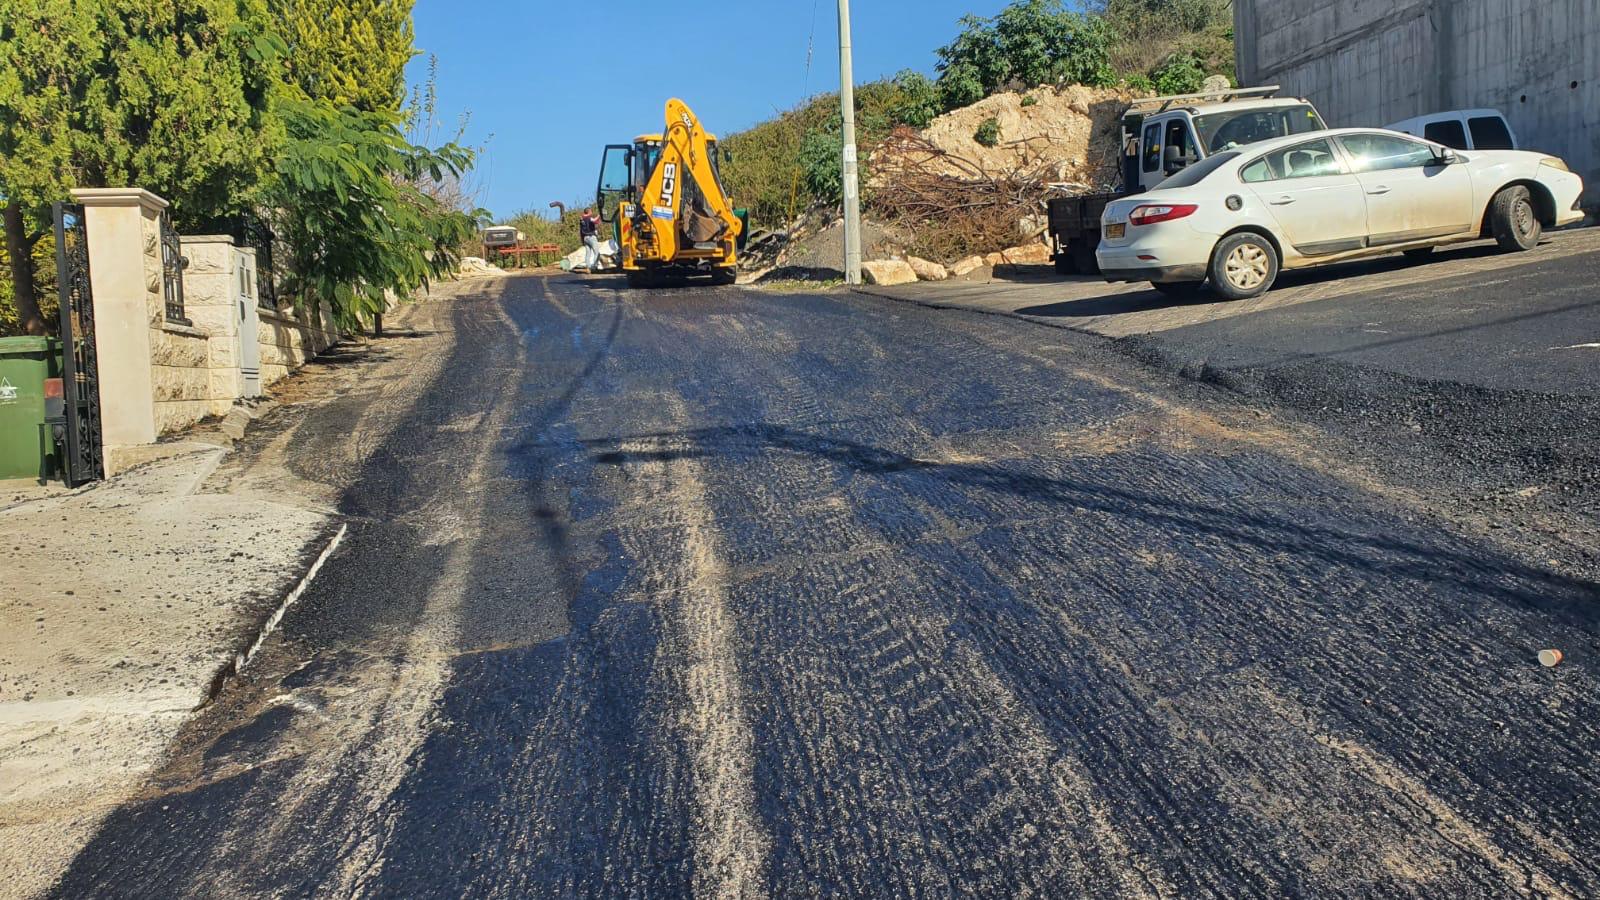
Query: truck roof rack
[(1230, 94)]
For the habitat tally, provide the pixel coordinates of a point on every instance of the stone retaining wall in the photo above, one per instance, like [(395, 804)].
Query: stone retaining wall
[(289, 338)]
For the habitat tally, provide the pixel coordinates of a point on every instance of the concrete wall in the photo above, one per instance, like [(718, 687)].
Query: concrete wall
[(1372, 62)]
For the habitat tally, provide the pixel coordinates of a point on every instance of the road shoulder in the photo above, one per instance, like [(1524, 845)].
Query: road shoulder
[(129, 603)]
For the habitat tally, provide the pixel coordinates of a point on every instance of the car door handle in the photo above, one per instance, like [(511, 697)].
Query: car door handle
[(1285, 200), (1380, 189)]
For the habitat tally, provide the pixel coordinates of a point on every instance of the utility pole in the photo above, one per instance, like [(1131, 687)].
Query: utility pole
[(852, 185)]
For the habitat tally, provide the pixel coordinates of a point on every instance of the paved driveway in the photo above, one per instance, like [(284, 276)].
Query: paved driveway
[(1119, 310)]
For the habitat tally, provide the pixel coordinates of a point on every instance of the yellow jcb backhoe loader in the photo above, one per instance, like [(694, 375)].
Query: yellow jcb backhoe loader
[(663, 197)]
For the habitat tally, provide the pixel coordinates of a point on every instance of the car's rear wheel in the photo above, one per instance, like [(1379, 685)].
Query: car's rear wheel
[(1243, 265), (1178, 290), (1513, 219)]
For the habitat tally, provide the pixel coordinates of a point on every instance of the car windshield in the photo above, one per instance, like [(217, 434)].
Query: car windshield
[(1226, 130), (1196, 173)]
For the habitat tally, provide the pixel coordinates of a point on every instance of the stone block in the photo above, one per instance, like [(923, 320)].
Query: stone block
[(224, 384), (234, 423), (272, 374), (927, 270), (208, 290), (169, 383), (887, 272), (216, 321), (965, 267), (208, 256), (1027, 254), (179, 414), (172, 348), (222, 353), (273, 355)]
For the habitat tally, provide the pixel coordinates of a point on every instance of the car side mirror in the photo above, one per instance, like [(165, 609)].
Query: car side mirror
[(1447, 157)]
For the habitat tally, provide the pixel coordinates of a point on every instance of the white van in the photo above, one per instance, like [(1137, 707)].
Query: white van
[(1463, 129)]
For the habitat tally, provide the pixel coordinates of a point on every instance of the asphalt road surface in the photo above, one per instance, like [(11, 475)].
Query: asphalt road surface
[(1533, 327), (717, 593)]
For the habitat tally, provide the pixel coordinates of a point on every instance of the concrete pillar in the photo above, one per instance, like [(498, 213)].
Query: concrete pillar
[(123, 226)]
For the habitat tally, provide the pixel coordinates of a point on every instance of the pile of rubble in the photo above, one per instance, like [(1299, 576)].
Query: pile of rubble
[(477, 267), (958, 198), (941, 204), (1069, 134)]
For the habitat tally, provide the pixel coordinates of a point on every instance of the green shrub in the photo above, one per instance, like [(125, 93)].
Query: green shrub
[(917, 100), (1031, 42), (1181, 74), (781, 167), (1030, 100), (1139, 82), (988, 133), (820, 164)]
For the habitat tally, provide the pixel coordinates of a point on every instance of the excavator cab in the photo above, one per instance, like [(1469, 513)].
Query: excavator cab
[(663, 196)]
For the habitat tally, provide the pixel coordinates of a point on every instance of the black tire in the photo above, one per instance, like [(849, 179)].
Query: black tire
[(724, 275), (639, 279), (1417, 254), (1178, 290), (1513, 220), (1065, 265), (1243, 265)]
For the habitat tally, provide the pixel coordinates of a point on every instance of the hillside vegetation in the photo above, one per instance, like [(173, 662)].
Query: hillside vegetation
[(789, 164)]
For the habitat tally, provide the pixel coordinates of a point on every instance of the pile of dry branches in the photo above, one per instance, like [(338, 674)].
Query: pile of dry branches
[(951, 205)]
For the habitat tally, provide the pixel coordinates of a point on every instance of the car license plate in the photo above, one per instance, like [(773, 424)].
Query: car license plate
[(1116, 229)]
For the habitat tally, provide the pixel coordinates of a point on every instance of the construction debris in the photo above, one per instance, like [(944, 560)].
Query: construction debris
[(955, 196), (477, 267)]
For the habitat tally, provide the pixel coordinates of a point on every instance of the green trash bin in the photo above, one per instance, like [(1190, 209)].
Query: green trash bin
[(26, 448)]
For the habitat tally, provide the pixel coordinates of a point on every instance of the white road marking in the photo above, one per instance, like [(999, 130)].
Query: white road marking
[(1594, 346)]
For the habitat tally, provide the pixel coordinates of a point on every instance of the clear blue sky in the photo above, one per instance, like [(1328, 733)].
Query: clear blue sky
[(549, 84)]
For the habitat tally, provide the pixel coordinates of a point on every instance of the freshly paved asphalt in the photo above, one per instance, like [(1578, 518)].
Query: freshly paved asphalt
[(708, 592), (1534, 327)]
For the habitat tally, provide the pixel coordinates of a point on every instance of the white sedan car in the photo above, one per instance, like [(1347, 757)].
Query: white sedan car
[(1236, 219)]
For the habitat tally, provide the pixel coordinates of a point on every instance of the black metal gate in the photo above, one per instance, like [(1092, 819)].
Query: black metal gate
[(250, 231), (79, 432)]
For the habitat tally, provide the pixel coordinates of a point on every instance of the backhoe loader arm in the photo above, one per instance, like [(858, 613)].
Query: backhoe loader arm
[(685, 158)]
